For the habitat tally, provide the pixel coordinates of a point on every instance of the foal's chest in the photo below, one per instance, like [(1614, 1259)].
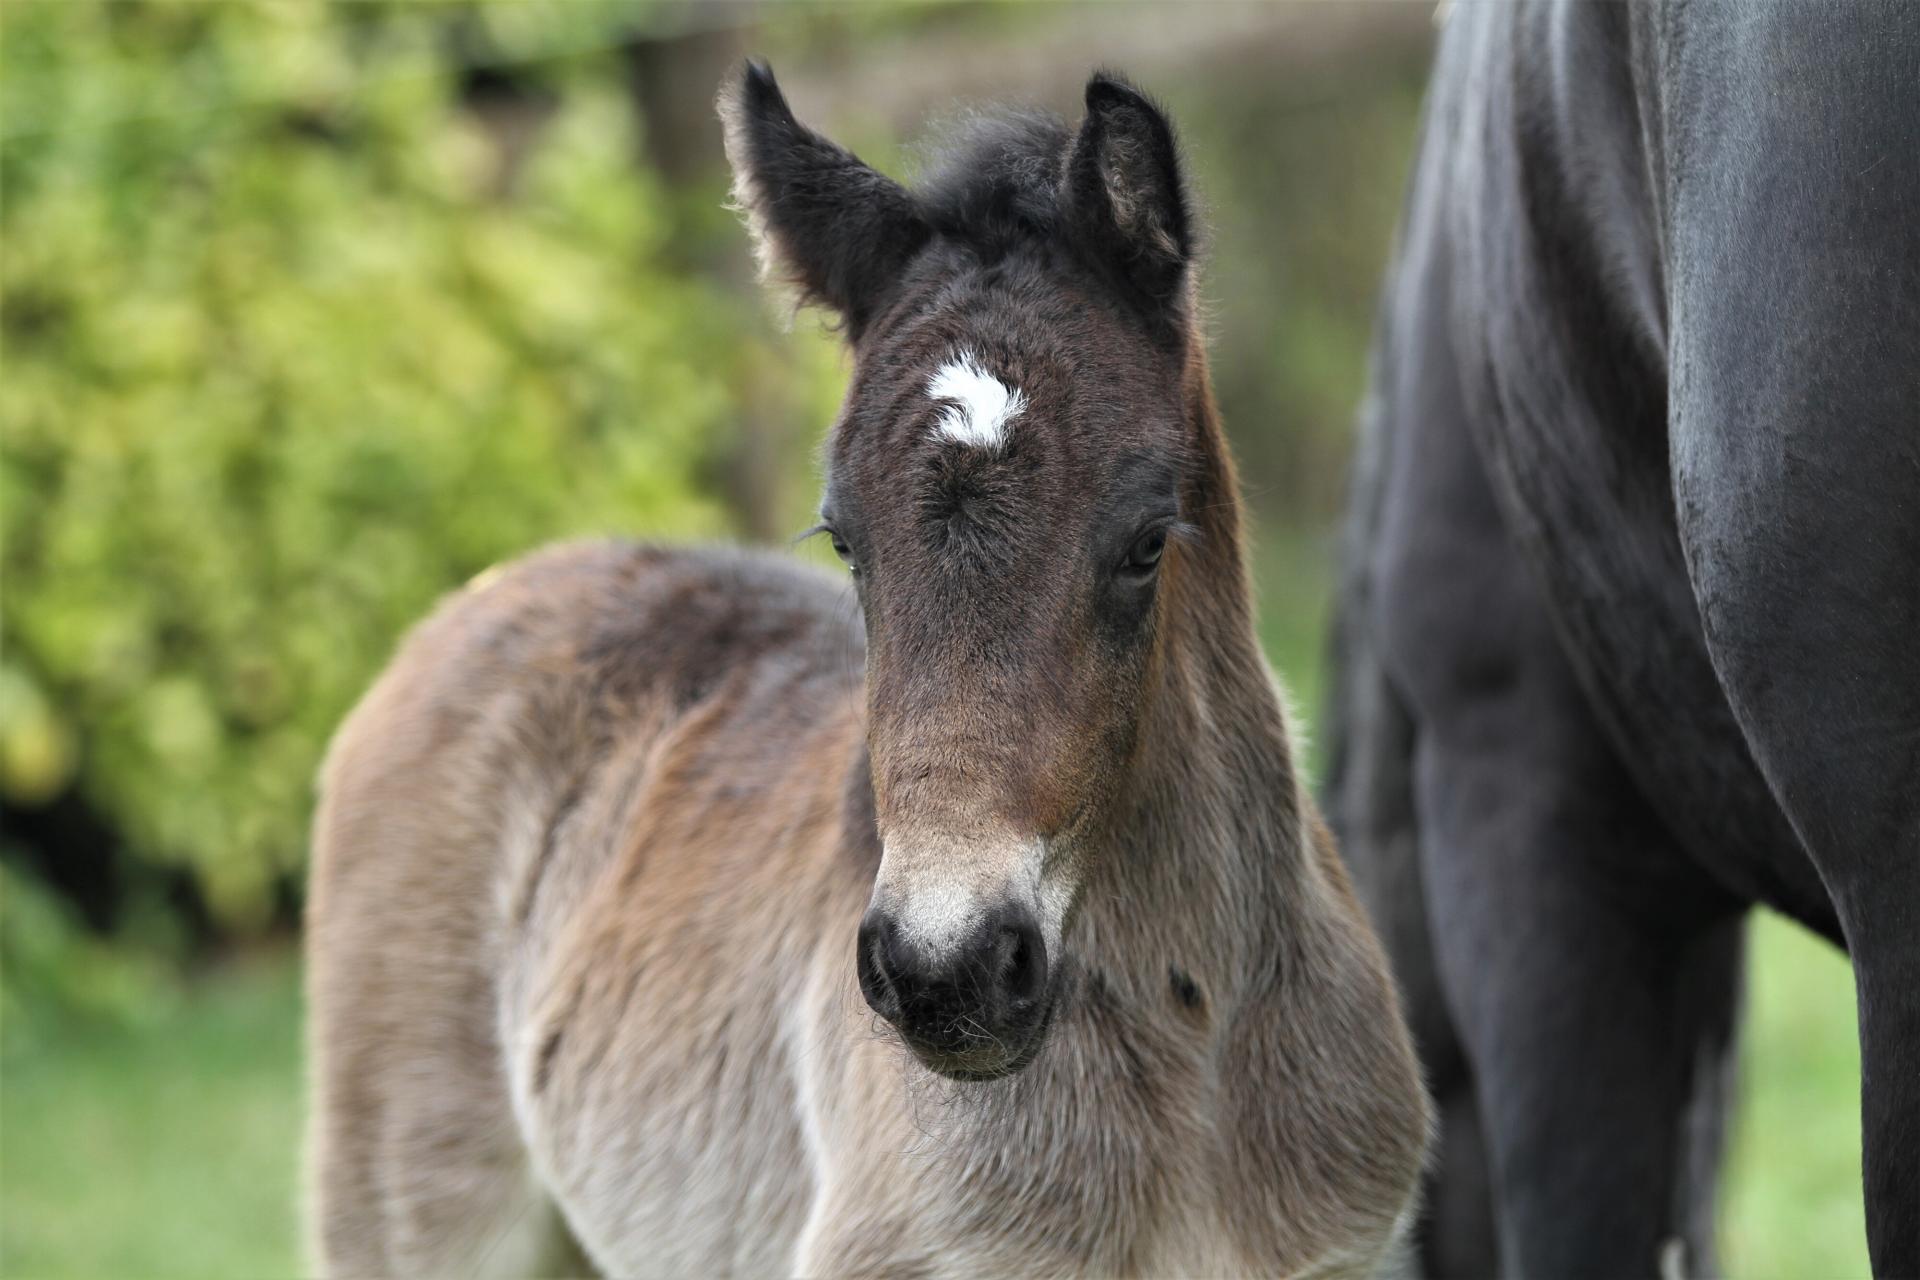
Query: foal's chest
[(1194, 1239)]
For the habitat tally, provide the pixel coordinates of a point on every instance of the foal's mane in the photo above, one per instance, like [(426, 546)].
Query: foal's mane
[(993, 178)]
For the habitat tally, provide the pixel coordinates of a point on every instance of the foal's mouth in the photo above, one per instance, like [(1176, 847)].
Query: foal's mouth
[(988, 1056)]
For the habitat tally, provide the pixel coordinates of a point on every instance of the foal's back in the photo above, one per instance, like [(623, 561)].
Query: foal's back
[(533, 824)]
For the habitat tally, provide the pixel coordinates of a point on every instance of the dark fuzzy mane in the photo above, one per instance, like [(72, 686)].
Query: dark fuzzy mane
[(994, 179)]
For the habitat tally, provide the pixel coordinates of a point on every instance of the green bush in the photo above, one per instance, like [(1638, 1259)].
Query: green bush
[(282, 365)]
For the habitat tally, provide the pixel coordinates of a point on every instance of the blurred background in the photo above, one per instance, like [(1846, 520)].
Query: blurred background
[(310, 312)]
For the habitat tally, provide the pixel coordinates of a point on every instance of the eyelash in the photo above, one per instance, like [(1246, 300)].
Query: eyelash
[(839, 545)]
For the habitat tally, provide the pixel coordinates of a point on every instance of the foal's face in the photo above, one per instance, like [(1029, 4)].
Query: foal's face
[(1004, 487), (1003, 491)]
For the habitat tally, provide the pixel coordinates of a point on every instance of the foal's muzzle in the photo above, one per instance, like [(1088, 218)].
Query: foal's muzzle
[(973, 1010)]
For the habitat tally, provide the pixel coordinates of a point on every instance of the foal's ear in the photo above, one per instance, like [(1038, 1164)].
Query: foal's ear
[(821, 220), (1123, 191)]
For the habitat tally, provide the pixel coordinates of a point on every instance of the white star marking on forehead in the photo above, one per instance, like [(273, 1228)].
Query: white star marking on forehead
[(980, 405)]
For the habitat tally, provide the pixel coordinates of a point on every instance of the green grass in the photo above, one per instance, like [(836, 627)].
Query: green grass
[(1791, 1207), (165, 1148)]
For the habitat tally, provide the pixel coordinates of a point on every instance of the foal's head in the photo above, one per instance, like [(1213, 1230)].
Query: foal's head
[(1006, 483)]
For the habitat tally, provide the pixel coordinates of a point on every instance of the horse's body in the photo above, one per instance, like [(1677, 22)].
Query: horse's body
[(1629, 626), (592, 855)]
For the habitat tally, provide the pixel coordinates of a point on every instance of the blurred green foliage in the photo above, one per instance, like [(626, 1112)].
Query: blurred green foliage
[(56, 971), (283, 363)]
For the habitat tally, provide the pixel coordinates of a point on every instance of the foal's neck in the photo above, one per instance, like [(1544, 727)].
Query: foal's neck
[(1210, 850)]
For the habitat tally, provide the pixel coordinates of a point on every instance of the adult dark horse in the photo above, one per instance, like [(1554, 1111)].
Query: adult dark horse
[(1631, 616)]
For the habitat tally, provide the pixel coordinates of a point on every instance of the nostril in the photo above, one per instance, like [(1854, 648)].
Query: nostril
[(870, 966), (1024, 964)]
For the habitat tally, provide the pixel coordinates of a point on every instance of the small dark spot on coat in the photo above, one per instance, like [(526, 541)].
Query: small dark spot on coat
[(1184, 988)]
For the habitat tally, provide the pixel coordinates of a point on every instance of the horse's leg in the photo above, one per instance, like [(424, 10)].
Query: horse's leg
[(1796, 452), (345, 1216), (1594, 982), (462, 1198), (1371, 801), (1590, 968), (419, 1169)]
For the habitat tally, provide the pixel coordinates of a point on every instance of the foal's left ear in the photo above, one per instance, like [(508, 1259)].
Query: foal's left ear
[(1123, 191), (821, 220)]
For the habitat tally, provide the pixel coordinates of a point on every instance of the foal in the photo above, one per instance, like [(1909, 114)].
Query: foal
[(612, 861)]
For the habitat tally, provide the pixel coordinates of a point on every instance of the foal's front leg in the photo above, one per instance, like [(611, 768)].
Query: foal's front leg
[(884, 1231), (844, 1237), (896, 1205)]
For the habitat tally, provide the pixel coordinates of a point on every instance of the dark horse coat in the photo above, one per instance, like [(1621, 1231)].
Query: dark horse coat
[(1630, 627)]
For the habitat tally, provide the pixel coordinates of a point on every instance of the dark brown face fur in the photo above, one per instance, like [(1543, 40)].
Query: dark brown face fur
[(1012, 593), (1009, 594)]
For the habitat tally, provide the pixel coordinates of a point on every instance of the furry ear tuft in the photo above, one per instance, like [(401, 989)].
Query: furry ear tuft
[(1124, 193), (821, 220)]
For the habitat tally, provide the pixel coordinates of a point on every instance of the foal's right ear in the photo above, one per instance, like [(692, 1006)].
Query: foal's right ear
[(821, 220)]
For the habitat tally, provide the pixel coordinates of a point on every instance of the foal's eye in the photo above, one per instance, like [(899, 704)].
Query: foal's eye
[(841, 549), (1144, 556)]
